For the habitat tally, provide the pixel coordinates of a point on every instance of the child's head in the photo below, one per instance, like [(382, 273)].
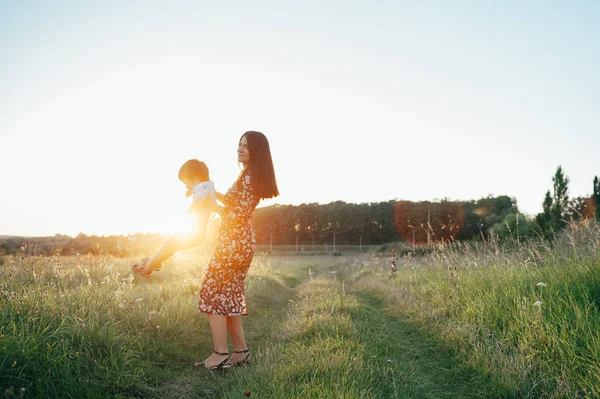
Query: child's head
[(193, 172)]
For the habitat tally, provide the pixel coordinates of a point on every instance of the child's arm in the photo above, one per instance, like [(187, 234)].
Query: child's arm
[(220, 197), (208, 204)]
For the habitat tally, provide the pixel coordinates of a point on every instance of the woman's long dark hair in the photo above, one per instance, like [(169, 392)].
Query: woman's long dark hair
[(261, 165)]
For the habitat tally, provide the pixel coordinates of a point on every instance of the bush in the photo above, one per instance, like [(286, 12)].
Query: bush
[(509, 229)]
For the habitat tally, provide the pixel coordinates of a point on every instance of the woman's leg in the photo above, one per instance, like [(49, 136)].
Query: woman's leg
[(236, 332), (218, 329)]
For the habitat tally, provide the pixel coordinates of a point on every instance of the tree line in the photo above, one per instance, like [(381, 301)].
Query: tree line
[(82, 244), (373, 223)]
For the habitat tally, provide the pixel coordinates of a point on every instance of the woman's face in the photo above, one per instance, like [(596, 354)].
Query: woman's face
[(243, 153)]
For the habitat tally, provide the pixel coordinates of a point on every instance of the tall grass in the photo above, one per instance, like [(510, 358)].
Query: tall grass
[(85, 327), (465, 320), (524, 312)]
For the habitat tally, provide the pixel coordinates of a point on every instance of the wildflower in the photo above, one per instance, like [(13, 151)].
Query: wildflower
[(389, 360), (538, 304), (82, 325), (541, 284), (247, 394)]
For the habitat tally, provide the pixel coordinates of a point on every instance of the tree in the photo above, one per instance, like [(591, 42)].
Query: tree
[(596, 197), (543, 225), (515, 226), (547, 205), (560, 199), (577, 209), (429, 221)]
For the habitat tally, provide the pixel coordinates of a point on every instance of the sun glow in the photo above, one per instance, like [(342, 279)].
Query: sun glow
[(93, 140), (180, 223)]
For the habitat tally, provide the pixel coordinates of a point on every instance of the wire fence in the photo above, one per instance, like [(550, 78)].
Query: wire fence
[(311, 249)]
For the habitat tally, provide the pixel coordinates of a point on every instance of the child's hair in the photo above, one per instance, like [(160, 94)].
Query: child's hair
[(194, 169)]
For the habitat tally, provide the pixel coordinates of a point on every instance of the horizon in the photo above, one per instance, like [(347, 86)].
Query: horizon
[(436, 200), (101, 103)]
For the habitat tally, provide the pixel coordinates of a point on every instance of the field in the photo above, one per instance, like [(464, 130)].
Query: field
[(464, 321)]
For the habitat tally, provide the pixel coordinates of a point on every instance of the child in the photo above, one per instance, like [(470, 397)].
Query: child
[(194, 174)]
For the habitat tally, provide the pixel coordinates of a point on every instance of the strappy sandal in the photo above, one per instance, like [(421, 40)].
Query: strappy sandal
[(221, 366), (244, 361)]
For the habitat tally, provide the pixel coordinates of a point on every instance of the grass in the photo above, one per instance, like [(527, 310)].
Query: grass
[(528, 315), (465, 321)]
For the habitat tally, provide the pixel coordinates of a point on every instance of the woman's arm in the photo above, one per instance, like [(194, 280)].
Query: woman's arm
[(220, 197)]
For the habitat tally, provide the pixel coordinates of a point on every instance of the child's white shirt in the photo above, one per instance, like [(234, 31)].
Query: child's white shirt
[(200, 191), (203, 190)]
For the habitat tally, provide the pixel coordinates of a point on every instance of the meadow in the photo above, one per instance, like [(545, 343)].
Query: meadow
[(479, 320)]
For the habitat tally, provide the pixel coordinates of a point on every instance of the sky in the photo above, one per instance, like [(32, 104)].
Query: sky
[(101, 102)]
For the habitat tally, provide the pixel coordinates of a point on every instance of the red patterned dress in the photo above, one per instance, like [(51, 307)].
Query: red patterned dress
[(222, 291)]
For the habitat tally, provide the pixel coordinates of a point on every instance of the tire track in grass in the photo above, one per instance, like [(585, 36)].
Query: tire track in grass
[(427, 368), (338, 344)]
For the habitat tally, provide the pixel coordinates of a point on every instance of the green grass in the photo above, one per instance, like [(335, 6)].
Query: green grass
[(528, 316), (460, 322)]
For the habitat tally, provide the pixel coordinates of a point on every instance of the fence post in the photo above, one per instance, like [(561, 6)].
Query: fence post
[(333, 241)]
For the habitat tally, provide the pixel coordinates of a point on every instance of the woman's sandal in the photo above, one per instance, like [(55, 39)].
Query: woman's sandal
[(245, 360), (220, 366)]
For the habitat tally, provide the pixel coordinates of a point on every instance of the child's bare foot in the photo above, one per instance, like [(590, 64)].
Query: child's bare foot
[(141, 269)]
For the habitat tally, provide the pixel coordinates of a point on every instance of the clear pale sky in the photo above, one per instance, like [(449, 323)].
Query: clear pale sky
[(101, 102)]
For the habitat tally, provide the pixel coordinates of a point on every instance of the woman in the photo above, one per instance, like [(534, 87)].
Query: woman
[(222, 296)]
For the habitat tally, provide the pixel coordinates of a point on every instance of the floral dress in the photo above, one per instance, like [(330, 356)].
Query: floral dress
[(222, 291)]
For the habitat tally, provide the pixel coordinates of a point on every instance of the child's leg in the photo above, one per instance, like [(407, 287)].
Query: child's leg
[(166, 250), (147, 265), (197, 236), (172, 245), (175, 244), (191, 240)]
